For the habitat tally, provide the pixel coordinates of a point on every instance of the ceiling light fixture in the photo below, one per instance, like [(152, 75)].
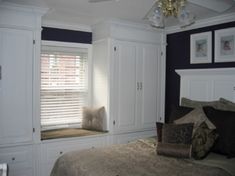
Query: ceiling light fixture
[(165, 8)]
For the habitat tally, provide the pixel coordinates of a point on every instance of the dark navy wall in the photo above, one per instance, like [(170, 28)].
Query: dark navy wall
[(178, 57), (64, 35)]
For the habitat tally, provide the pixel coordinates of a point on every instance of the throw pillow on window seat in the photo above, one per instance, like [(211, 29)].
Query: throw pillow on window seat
[(93, 118)]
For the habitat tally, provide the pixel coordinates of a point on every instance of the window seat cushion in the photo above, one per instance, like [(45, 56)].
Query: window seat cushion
[(67, 132)]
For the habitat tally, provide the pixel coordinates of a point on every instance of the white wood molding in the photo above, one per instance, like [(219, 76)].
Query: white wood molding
[(203, 23), (62, 25), (212, 71), (126, 31), (207, 84)]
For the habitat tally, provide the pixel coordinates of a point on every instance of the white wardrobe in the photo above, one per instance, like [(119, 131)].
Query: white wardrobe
[(19, 31), (128, 73)]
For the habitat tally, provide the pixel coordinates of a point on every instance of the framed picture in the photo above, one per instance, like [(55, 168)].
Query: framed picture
[(200, 48), (225, 45)]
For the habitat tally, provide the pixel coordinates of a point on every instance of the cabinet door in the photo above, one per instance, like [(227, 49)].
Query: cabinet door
[(19, 160), (125, 86), (16, 52), (149, 85)]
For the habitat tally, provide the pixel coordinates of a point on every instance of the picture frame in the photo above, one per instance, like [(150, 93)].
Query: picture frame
[(225, 45), (201, 48)]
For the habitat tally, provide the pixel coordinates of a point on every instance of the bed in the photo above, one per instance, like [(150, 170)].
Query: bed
[(139, 158)]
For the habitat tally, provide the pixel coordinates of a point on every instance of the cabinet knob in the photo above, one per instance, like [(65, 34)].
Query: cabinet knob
[(61, 152), (13, 158), (0, 72), (138, 86)]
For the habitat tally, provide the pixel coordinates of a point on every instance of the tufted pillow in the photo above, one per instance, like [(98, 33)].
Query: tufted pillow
[(93, 119), (202, 141), (225, 126), (197, 117), (226, 105), (198, 104), (177, 134)]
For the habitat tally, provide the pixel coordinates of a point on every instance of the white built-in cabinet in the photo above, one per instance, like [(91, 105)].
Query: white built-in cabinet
[(16, 51), (20, 29), (135, 85), (129, 76)]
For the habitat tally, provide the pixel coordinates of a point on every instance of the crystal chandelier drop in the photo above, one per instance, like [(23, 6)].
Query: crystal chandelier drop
[(165, 8)]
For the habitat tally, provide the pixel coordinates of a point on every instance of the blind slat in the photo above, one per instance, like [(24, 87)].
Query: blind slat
[(63, 86)]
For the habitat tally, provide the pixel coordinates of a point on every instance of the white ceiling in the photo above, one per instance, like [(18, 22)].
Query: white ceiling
[(82, 12)]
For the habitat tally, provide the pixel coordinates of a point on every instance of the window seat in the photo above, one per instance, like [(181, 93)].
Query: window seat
[(68, 132)]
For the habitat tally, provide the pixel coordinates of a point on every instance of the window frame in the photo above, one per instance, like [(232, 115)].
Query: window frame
[(89, 68)]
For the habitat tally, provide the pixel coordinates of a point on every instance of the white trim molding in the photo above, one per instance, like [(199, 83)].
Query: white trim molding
[(206, 71), (62, 25), (203, 23), (207, 84)]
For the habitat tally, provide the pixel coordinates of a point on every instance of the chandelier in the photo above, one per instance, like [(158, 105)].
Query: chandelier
[(165, 8)]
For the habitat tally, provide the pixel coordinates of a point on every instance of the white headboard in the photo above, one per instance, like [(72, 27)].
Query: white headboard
[(207, 84)]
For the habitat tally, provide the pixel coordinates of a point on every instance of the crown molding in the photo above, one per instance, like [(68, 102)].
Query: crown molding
[(203, 23), (61, 25), (25, 8), (210, 71)]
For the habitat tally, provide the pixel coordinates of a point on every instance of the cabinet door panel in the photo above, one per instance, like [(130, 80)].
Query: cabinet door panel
[(225, 89), (16, 85), (125, 85), (150, 86)]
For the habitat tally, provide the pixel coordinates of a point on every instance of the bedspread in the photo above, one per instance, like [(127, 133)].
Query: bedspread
[(138, 158)]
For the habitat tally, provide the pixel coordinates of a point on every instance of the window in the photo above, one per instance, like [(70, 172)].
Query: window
[(64, 85)]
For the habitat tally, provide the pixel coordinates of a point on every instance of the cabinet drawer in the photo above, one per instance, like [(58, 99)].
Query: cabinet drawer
[(19, 160)]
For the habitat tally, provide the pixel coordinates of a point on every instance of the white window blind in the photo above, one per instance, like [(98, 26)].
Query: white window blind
[(63, 86)]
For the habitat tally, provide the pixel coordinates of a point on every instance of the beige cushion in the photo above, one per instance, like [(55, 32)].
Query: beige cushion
[(93, 118), (226, 105), (198, 104), (197, 117)]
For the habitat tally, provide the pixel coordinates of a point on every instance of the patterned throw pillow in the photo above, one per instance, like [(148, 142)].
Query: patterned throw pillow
[(177, 134), (176, 140), (202, 141), (93, 119)]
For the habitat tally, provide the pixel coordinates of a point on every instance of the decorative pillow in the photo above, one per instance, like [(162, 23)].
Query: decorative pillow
[(198, 104), (176, 140), (226, 105), (93, 119), (197, 117), (225, 126), (178, 112), (159, 126), (177, 134), (174, 150), (203, 140)]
